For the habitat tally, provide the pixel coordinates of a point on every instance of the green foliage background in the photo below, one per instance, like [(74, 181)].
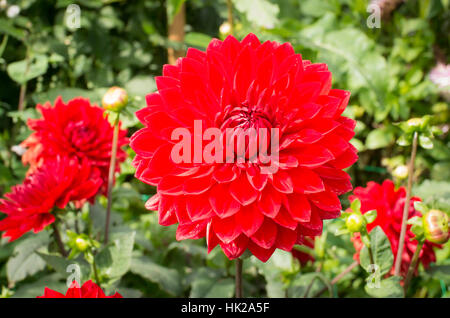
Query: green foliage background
[(125, 43)]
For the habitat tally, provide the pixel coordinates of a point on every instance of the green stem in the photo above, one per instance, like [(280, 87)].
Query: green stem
[(230, 16), (94, 267), (398, 259), (112, 168), (347, 270), (412, 266), (238, 278), (58, 240)]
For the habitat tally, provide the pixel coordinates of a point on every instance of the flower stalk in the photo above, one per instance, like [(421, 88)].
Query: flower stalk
[(412, 266), (112, 168), (398, 259), (238, 278), (230, 16), (58, 240)]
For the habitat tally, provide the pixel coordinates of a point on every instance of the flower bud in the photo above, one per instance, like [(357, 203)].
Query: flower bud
[(225, 29), (401, 172), (81, 244), (115, 99), (414, 122), (354, 223), (435, 223)]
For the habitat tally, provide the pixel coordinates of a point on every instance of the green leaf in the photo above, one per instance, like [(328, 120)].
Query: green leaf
[(25, 262), (208, 283), (421, 207), (262, 13), (37, 288), (66, 93), (425, 142), (356, 205), (168, 279), (198, 40), (25, 70), (379, 138), (140, 85), (370, 216), (6, 27), (114, 260), (387, 288), (309, 283), (381, 250), (61, 265)]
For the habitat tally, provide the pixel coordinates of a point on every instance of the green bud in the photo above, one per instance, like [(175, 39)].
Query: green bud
[(435, 223), (355, 222), (82, 244), (415, 122), (115, 99), (400, 172)]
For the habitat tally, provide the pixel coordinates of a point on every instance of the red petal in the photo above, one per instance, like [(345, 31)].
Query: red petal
[(235, 248), (222, 203), (326, 200), (226, 229), (282, 182), (198, 207), (261, 253), (285, 238), (242, 190), (306, 181), (284, 219), (270, 202), (194, 230), (299, 207), (266, 235), (250, 219)]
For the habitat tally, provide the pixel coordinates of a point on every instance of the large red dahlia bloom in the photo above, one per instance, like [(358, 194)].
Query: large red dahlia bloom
[(389, 203), (61, 180), (76, 129), (88, 290), (247, 85)]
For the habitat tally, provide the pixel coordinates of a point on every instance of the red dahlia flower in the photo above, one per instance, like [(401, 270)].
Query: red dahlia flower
[(247, 85), (61, 180), (88, 290), (76, 129), (389, 204)]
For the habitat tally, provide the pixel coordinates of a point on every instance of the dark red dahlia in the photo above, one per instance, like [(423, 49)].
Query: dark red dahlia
[(389, 203), (30, 205), (88, 290), (246, 86), (76, 129)]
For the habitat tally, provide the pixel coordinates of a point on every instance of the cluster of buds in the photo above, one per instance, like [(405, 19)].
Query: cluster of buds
[(433, 226), (420, 126)]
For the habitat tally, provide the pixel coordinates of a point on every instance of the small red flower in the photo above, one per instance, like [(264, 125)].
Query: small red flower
[(88, 290), (76, 129), (247, 85), (29, 206), (389, 204)]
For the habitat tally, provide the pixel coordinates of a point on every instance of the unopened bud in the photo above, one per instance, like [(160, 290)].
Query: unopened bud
[(115, 99), (400, 172), (435, 224), (354, 223), (82, 244)]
